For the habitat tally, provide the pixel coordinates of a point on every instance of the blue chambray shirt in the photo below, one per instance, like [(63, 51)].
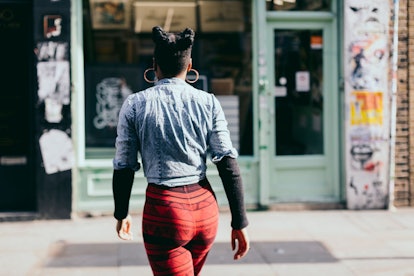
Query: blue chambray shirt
[(173, 126)]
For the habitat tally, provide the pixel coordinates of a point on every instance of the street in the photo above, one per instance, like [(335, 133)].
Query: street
[(332, 242)]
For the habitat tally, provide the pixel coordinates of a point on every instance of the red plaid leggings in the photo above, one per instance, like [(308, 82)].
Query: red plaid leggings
[(179, 226)]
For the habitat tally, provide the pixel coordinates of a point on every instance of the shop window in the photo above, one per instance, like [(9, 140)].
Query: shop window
[(298, 5), (118, 48)]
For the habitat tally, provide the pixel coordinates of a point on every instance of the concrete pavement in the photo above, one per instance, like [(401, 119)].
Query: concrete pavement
[(334, 242)]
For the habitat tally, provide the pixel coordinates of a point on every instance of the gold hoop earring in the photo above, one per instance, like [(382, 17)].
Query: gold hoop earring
[(197, 75), (145, 75)]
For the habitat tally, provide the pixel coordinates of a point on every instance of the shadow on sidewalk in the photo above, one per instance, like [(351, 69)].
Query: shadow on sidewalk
[(133, 254)]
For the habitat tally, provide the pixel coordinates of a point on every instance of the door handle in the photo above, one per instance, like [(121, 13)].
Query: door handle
[(13, 160)]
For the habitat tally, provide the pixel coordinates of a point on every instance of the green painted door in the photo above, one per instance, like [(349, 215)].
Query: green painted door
[(302, 104)]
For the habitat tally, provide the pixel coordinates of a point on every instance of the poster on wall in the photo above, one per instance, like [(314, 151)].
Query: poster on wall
[(57, 151), (53, 77), (367, 127)]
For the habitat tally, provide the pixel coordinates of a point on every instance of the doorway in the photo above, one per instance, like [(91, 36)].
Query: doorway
[(304, 143), (17, 181)]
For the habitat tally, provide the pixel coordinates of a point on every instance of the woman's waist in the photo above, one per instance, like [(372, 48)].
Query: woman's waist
[(175, 181), (181, 188)]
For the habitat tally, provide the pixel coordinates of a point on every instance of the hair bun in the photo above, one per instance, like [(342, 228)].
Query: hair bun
[(186, 39), (159, 36), (176, 42)]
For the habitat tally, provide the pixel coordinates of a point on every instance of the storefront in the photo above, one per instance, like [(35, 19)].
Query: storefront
[(305, 86), (273, 66)]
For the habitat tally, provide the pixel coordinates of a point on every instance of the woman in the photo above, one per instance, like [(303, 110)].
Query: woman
[(174, 127)]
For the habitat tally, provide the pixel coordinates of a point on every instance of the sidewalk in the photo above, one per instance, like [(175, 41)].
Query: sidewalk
[(338, 242)]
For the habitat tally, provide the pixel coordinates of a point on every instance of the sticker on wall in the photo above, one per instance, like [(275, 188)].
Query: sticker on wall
[(54, 81), (367, 127), (48, 51), (53, 74), (52, 26), (57, 151), (53, 110), (366, 108)]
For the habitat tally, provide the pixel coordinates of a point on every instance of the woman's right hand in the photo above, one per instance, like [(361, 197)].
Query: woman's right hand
[(240, 238), (123, 228)]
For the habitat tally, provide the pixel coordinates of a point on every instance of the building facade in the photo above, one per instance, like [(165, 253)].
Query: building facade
[(281, 70)]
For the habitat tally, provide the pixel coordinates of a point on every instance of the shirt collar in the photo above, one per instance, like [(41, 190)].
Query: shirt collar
[(170, 81)]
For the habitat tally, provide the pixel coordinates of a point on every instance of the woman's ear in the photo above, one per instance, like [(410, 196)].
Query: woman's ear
[(190, 65)]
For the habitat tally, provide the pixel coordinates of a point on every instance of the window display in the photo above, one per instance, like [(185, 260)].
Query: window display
[(110, 14), (298, 5), (117, 52)]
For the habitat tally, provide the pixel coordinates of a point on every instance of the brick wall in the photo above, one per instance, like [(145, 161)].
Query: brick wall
[(404, 147), (410, 86)]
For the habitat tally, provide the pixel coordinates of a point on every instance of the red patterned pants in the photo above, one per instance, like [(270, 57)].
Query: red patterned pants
[(179, 227)]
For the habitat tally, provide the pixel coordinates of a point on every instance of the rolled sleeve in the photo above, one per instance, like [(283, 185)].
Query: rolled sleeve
[(220, 144), (127, 143)]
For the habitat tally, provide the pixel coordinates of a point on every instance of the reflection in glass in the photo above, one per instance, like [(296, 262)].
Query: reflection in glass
[(298, 92), (298, 5), (222, 54)]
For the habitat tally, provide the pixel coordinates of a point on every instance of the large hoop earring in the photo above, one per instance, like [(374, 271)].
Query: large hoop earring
[(197, 76), (145, 75)]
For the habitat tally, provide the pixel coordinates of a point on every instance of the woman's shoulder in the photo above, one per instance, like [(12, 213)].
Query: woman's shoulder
[(200, 96), (142, 94)]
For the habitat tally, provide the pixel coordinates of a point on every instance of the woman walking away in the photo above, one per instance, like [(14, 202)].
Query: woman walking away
[(175, 128)]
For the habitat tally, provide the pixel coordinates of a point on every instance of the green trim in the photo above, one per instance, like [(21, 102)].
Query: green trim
[(341, 93), (297, 16), (261, 93), (302, 178), (78, 81)]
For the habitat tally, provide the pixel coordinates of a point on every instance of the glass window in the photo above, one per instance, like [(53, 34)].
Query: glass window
[(298, 5), (299, 84), (118, 49)]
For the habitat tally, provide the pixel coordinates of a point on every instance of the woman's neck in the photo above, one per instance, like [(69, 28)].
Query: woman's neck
[(181, 75)]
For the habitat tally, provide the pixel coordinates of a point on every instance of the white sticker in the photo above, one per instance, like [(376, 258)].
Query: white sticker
[(57, 151), (302, 81)]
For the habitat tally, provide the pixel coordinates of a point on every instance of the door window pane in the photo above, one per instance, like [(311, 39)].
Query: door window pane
[(298, 5), (298, 92), (118, 48)]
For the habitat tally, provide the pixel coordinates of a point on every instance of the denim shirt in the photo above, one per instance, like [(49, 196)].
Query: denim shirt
[(173, 127)]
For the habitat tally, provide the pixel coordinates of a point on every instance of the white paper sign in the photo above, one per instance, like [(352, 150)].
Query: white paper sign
[(57, 151), (302, 81)]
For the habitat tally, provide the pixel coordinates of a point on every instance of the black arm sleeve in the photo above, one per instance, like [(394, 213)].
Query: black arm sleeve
[(122, 181), (230, 176)]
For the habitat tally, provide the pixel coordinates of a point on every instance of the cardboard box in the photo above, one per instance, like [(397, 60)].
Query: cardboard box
[(171, 16), (223, 86)]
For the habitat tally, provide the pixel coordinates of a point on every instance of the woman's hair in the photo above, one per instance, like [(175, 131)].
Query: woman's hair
[(172, 50)]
